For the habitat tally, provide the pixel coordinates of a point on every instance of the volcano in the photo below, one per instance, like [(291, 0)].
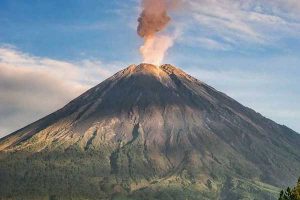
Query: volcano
[(150, 132)]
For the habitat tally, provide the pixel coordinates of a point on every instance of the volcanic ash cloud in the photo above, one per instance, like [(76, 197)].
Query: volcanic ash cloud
[(153, 19)]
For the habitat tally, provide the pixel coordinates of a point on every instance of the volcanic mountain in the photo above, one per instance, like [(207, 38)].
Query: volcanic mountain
[(150, 132)]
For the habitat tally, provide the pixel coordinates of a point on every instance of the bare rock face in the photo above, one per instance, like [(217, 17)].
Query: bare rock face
[(150, 132)]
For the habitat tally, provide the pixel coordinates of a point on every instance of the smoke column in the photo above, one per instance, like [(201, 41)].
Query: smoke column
[(153, 19)]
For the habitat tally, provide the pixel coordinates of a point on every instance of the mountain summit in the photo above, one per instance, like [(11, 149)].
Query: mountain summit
[(150, 132)]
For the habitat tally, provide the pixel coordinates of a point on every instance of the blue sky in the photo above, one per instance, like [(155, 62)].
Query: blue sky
[(69, 29), (248, 49)]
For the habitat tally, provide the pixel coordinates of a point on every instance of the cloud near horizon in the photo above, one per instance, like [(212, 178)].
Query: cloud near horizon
[(32, 87)]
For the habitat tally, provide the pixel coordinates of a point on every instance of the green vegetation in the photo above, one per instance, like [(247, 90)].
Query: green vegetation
[(78, 174), (291, 194)]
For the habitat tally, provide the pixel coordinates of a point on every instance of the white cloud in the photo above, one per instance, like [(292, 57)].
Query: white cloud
[(31, 87), (248, 21), (206, 43)]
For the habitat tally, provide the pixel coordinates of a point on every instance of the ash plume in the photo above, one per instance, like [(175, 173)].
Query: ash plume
[(153, 19)]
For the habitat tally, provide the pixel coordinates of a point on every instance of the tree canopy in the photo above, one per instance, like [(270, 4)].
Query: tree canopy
[(291, 193)]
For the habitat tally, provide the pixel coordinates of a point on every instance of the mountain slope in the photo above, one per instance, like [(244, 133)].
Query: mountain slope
[(150, 132)]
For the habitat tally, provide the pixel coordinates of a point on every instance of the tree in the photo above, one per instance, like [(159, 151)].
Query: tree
[(291, 194), (296, 191)]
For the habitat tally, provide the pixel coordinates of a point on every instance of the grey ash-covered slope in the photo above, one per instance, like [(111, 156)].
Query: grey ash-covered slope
[(151, 130)]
